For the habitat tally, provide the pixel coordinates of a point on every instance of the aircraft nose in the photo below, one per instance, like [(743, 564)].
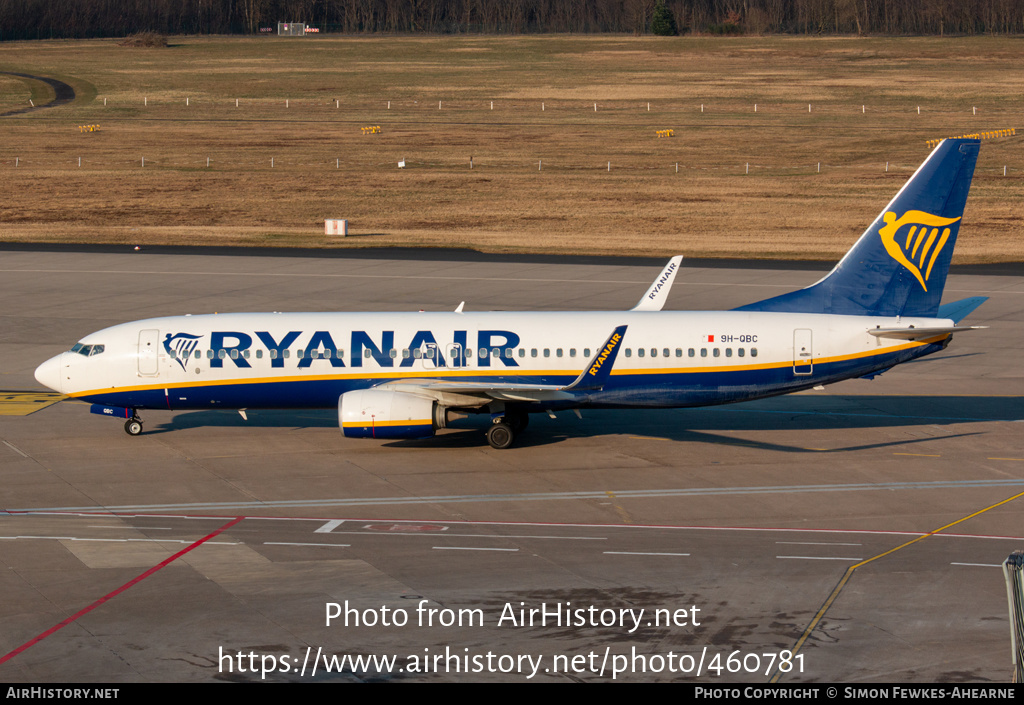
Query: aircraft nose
[(49, 374)]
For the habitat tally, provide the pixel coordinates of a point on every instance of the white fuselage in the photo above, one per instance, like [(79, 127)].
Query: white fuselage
[(287, 360)]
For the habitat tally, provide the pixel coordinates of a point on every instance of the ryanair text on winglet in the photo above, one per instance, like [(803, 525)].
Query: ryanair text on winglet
[(669, 270), (612, 342)]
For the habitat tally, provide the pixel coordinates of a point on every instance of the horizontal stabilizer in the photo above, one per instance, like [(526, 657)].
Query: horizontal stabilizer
[(918, 333), (657, 295), (959, 310)]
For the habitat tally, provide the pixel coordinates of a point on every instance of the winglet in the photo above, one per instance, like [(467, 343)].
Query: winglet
[(654, 299), (458, 309), (600, 366)]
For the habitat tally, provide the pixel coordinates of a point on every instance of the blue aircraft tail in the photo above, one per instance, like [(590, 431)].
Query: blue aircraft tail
[(899, 265)]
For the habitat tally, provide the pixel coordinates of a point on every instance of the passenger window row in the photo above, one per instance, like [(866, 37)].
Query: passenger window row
[(429, 353), (691, 352)]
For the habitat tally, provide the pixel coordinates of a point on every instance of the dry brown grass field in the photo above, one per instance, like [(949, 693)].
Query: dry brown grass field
[(747, 183)]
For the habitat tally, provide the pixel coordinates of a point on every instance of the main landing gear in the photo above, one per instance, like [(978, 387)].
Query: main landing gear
[(133, 426), (504, 429)]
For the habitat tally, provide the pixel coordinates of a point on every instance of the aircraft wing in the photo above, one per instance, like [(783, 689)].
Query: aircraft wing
[(592, 378), (458, 393)]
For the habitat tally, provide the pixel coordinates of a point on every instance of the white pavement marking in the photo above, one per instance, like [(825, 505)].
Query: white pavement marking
[(539, 496), (329, 526), (469, 536), (23, 455), (642, 553), (471, 548), (287, 543), (817, 543), (76, 538)]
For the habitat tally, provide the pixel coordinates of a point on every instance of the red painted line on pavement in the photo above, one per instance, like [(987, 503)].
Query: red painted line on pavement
[(118, 591)]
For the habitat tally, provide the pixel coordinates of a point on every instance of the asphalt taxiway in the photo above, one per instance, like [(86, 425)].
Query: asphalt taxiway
[(213, 548)]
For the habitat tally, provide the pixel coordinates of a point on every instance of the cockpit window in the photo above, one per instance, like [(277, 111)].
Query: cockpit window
[(87, 350)]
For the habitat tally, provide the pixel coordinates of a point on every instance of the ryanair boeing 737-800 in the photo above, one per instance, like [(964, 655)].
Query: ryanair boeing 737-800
[(404, 375)]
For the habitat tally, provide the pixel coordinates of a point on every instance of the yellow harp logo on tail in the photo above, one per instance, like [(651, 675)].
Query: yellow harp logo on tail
[(920, 245)]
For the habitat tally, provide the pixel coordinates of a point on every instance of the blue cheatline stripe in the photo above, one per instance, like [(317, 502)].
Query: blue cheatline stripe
[(389, 431)]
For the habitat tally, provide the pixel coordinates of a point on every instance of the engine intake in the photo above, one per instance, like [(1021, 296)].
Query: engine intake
[(382, 413)]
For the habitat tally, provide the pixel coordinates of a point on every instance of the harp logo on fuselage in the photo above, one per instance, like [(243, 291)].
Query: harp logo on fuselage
[(180, 346), (915, 240)]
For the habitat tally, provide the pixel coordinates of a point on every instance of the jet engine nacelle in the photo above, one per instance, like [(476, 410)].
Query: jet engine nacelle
[(382, 413)]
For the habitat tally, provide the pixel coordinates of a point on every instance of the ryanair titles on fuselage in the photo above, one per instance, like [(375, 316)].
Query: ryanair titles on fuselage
[(321, 346)]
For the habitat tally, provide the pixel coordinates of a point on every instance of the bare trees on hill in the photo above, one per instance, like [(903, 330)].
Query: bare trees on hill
[(32, 19)]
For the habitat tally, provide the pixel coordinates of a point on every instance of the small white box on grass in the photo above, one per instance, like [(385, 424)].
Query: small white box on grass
[(336, 227)]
